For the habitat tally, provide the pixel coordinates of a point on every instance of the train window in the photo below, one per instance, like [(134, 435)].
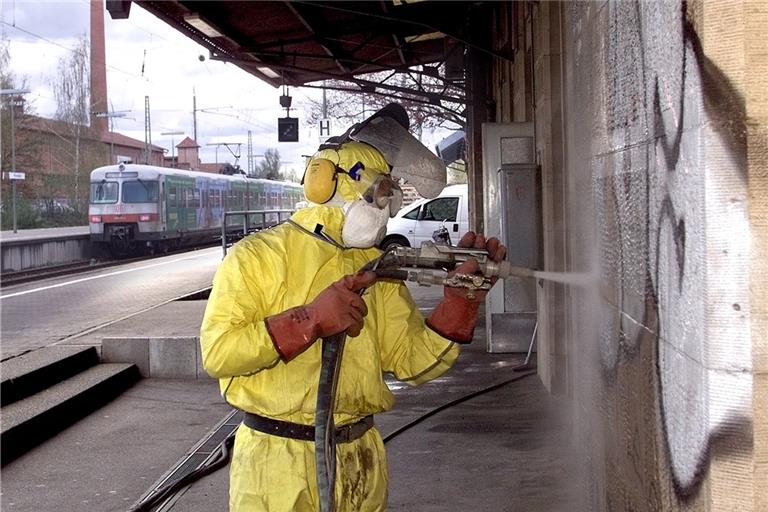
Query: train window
[(104, 192), (140, 191), (196, 197), (172, 196)]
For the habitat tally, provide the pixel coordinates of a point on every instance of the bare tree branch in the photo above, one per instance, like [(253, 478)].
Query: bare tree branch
[(350, 105)]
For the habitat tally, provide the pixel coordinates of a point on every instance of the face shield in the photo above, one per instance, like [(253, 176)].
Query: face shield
[(409, 158)]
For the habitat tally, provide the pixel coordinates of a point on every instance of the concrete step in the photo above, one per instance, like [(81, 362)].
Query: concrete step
[(28, 422), (35, 371)]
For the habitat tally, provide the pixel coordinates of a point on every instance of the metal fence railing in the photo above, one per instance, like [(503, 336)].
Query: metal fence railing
[(268, 219)]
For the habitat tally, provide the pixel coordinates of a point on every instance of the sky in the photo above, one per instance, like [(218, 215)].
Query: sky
[(146, 57)]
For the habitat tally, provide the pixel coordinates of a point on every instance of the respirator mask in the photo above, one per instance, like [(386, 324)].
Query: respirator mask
[(365, 219)]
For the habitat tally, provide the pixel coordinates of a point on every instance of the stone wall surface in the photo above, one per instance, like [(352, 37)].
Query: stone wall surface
[(665, 150)]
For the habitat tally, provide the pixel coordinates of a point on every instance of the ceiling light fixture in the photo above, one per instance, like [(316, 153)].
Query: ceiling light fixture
[(200, 24), (424, 37), (268, 71)]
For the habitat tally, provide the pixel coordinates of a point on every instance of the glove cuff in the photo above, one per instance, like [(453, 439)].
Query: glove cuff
[(292, 331), (455, 319)]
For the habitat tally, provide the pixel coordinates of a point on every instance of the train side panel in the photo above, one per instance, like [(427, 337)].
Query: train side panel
[(138, 207)]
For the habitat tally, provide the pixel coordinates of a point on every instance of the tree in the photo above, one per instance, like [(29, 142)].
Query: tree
[(25, 144), (25, 147), (351, 103), (71, 92), (269, 168)]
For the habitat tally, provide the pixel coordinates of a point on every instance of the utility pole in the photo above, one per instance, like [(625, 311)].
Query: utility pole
[(325, 123), (147, 131), (173, 164), (194, 114), (325, 103), (250, 153), (13, 175)]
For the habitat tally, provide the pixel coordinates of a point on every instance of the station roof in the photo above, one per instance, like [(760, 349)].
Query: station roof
[(298, 42)]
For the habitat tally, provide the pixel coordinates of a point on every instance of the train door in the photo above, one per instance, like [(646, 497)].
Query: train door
[(163, 209), (172, 199)]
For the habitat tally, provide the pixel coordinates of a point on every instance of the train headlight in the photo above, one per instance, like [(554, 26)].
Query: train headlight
[(145, 218), (95, 218)]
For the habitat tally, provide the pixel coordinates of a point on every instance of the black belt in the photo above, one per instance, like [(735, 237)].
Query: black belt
[(342, 434)]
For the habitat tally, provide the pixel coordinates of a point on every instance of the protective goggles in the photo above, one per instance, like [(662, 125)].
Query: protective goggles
[(383, 192)]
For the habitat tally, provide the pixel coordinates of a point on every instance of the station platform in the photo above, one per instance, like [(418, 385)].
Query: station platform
[(505, 449), (43, 233), (29, 249)]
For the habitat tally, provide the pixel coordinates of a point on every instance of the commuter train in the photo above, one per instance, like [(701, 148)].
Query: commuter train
[(142, 208)]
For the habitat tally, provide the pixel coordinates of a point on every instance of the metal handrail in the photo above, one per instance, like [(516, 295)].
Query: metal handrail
[(247, 224)]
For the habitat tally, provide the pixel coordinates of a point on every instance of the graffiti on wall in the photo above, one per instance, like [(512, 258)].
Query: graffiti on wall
[(670, 196)]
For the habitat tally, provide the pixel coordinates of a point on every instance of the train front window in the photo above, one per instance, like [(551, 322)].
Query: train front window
[(103, 192), (140, 191)]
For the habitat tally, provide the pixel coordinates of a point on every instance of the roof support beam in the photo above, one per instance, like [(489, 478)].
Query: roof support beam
[(330, 49), (362, 63), (395, 37), (429, 97)]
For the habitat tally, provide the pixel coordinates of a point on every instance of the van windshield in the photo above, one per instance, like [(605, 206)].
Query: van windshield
[(103, 192), (140, 191)]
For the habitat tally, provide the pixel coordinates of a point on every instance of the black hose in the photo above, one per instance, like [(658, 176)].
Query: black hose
[(445, 406), (397, 275), (325, 446)]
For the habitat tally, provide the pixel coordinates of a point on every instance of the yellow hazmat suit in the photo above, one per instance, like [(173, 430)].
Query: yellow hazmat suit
[(268, 273)]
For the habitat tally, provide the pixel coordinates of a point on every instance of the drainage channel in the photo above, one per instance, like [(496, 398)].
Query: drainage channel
[(201, 455)]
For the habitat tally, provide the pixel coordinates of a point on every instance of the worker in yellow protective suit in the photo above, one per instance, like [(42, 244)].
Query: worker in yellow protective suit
[(280, 290)]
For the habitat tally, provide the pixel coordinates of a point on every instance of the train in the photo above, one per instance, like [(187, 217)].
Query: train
[(146, 209)]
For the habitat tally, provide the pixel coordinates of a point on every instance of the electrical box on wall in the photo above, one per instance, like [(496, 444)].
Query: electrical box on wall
[(288, 129), (512, 212), (521, 218)]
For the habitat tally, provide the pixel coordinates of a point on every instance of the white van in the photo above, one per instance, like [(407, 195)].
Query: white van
[(416, 222)]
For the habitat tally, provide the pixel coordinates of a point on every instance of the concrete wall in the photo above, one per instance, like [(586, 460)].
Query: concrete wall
[(18, 255), (651, 121)]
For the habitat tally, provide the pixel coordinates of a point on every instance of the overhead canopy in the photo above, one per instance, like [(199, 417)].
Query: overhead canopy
[(294, 43)]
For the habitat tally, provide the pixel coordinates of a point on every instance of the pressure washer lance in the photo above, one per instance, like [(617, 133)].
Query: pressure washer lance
[(394, 264)]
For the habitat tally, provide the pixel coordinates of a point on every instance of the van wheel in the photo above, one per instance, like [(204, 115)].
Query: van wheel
[(396, 241)]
